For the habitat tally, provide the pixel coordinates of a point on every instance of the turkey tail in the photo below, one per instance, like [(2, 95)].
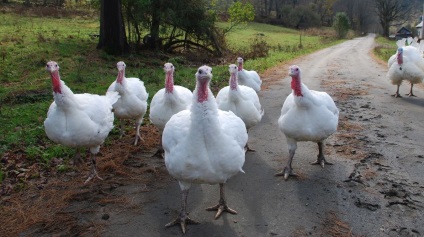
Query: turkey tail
[(112, 96)]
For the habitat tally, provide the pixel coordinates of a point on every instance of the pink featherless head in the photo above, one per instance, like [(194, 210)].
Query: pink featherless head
[(169, 77), (53, 68), (203, 77), (120, 65), (240, 63), (168, 67), (121, 71), (294, 71)]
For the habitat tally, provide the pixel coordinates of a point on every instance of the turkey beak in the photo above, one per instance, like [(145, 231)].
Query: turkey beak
[(49, 68)]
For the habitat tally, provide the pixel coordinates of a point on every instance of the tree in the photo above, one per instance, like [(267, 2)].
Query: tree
[(324, 10), (240, 13), (390, 12), (112, 29), (341, 24), (302, 17)]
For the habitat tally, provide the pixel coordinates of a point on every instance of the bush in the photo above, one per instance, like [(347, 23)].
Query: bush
[(341, 24), (258, 48)]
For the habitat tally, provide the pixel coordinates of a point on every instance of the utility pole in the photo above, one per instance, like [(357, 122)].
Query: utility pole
[(422, 25)]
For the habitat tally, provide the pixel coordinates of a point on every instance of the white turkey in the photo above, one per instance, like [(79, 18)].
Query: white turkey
[(169, 100), (203, 145), (243, 101), (78, 120), (406, 64), (133, 101), (248, 78), (306, 115)]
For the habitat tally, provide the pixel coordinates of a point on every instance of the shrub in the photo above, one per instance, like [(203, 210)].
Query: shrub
[(341, 24)]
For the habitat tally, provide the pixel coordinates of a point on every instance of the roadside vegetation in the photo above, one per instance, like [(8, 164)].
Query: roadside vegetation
[(384, 48)]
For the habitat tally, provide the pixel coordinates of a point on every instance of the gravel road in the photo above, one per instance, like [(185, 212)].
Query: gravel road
[(374, 187)]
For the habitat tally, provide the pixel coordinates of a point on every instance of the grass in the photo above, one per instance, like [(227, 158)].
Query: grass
[(384, 48), (28, 42), (285, 43)]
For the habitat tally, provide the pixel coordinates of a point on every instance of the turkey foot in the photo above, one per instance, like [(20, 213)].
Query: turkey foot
[(410, 94), (183, 219), (222, 204), (321, 161), (220, 208), (396, 95), (92, 175), (286, 172), (247, 148), (137, 137)]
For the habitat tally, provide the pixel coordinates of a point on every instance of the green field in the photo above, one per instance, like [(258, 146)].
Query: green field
[(27, 43), (384, 48)]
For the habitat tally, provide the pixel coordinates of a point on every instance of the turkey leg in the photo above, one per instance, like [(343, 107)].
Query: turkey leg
[(137, 130), (93, 172), (410, 92), (321, 159), (288, 171), (183, 219), (397, 92)]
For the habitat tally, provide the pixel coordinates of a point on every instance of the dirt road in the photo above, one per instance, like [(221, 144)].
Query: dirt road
[(374, 187)]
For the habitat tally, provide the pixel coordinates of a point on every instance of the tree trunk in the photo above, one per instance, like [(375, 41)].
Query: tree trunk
[(154, 28), (112, 29)]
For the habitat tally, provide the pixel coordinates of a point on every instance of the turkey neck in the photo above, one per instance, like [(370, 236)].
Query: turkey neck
[(169, 82), (240, 66), (204, 110), (202, 90), (400, 58), (57, 88), (233, 81), (120, 77), (296, 86)]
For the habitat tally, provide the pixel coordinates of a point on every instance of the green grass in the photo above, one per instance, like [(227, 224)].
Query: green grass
[(286, 44), (384, 48), (27, 43)]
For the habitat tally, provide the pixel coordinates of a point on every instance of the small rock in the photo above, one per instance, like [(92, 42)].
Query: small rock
[(105, 216)]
